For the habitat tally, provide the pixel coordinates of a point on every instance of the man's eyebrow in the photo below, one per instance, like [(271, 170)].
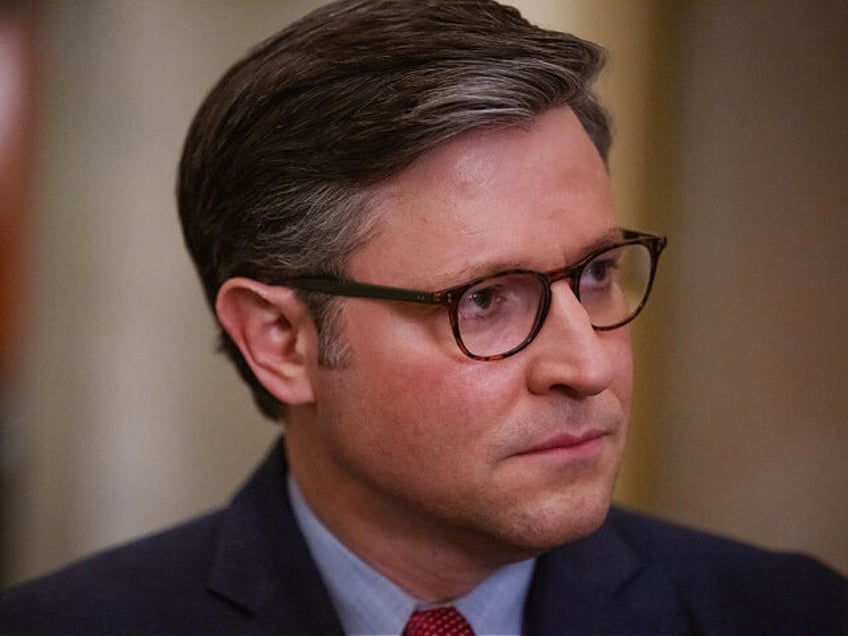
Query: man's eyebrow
[(476, 271), (610, 237)]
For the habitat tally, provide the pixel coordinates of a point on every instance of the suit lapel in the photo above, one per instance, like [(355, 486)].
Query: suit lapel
[(262, 563), (600, 585)]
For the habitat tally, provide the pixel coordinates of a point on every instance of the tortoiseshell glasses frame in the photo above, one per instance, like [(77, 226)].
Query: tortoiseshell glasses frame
[(497, 316)]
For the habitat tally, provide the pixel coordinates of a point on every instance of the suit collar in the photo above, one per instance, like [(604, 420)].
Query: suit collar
[(601, 585), (262, 563)]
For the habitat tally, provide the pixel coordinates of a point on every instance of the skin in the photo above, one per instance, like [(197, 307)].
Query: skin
[(434, 468)]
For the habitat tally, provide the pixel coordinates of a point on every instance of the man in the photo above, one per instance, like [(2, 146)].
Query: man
[(401, 215)]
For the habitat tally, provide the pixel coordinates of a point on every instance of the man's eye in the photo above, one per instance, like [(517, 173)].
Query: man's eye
[(598, 273), (482, 298), (481, 302)]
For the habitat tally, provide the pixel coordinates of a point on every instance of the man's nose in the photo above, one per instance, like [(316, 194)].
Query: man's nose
[(568, 354)]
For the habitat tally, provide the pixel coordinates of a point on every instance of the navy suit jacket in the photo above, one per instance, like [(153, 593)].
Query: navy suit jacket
[(247, 570)]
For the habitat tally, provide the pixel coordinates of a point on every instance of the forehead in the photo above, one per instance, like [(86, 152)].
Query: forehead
[(531, 196)]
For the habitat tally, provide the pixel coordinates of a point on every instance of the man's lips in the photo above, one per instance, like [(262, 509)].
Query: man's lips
[(569, 442)]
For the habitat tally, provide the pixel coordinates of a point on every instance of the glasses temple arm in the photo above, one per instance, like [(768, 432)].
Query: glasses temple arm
[(352, 289)]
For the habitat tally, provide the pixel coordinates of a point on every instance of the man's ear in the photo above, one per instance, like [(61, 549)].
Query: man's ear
[(273, 330)]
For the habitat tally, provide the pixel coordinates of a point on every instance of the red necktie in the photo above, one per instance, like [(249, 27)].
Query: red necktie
[(442, 621)]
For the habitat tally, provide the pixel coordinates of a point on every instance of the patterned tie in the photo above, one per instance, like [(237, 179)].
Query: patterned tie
[(442, 621)]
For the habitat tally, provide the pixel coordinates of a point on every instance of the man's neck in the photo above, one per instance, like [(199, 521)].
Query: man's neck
[(413, 558), (426, 561), (369, 603)]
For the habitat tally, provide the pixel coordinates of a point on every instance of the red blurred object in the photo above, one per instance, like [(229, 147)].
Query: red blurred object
[(18, 62)]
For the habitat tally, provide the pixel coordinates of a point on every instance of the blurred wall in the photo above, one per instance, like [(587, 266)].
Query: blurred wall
[(128, 421), (751, 327)]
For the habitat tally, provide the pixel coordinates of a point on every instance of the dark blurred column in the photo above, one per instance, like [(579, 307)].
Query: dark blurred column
[(17, 132)]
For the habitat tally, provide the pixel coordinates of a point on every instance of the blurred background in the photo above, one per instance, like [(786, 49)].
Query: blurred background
[(117, 417)]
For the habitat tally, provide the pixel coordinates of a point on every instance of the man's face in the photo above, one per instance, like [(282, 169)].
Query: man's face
[(413, 438)]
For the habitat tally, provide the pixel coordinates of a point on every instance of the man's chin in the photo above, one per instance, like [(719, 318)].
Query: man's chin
[(557, 524)]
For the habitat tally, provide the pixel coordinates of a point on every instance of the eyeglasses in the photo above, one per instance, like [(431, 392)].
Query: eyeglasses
[(499, 315)]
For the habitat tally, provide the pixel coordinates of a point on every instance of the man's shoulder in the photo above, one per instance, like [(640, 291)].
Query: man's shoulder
[(243, 569), (109, 591), (737, 579), (659, 540)]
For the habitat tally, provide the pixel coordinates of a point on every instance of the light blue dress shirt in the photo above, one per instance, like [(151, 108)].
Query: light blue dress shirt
[(370, 604)]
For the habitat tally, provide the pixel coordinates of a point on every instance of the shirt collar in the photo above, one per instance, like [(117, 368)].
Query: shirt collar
[(369, 603)]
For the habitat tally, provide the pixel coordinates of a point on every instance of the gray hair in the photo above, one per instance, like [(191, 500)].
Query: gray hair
[(275, 174)]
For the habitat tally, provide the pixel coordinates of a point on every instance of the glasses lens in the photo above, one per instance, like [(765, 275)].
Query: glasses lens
[(496, 315), (614, 284)]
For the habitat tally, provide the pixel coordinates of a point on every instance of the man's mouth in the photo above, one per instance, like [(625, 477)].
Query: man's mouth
[(578, 445)]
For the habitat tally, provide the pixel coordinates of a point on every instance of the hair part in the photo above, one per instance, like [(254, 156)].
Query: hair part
[(278, 163)]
